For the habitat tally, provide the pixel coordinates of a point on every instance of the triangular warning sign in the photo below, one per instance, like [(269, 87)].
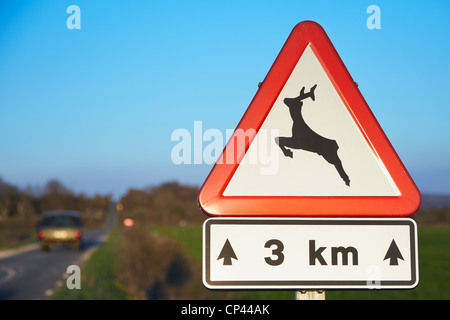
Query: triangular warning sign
[(309, 145)]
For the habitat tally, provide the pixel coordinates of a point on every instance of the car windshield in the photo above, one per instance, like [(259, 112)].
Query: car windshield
[(60, 221)]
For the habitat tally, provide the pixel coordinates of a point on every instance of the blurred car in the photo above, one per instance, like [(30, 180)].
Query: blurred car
[(60, 228)]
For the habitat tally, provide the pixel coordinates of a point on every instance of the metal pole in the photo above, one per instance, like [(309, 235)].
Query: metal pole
[(310, 295)]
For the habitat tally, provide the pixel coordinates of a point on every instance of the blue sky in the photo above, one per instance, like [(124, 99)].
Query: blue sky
[(95, 107)]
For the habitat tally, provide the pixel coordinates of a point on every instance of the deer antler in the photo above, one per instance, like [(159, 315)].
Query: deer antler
[(310, 94)]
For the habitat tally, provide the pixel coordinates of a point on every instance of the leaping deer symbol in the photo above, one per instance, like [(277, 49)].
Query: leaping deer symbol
[(304, 138)]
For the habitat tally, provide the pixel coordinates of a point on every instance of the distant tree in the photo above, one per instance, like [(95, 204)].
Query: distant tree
[(53, 196), (9, 196), (56, 187), (56, 196)]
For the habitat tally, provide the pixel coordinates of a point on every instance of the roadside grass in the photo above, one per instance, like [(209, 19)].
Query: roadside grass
[(99, 280)]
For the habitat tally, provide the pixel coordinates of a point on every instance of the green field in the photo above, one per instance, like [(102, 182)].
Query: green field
[(102, 276)]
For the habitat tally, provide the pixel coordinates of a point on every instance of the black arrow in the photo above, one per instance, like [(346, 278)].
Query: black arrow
[(394, 254), (227, 253)]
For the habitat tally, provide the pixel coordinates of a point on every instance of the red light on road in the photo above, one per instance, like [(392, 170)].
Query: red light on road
[(78, 234), (41, 234), (128, 222)]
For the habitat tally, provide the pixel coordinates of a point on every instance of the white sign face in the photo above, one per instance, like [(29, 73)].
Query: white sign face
[(340, 162), (303, 253)]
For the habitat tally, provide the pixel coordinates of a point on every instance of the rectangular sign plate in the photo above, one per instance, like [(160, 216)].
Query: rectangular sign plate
[(304, 253)]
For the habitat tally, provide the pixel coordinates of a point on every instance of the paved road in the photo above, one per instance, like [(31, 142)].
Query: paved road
[(34, 275)]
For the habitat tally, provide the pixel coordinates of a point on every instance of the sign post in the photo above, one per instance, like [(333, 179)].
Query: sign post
[(310, 295)]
